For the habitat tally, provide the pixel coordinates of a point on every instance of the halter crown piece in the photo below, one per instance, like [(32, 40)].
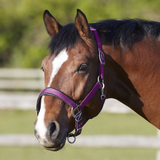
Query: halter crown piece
[(77, 108)]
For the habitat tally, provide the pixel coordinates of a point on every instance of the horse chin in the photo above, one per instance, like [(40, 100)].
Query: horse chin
[(56, 147)]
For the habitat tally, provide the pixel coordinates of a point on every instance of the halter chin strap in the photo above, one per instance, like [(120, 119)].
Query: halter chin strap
[(77, 108)]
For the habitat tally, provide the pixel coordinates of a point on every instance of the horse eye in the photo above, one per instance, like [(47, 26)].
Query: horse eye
[(82, 67), (42, 68)]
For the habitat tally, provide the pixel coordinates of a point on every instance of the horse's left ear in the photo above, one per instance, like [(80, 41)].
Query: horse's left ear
[(82, 24), (51, 24)]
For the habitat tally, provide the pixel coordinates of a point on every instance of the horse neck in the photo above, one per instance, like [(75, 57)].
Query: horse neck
[(132, 77), (118, 84)]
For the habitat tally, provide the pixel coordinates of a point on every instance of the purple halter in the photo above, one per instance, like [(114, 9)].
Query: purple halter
[(77, 108)]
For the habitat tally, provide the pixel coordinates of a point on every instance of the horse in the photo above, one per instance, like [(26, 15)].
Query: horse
[(89, 63)]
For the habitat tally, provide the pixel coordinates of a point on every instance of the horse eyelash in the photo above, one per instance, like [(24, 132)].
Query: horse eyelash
[(81, 69)]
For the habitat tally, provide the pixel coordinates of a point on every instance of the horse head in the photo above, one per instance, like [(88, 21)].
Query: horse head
[(71, 67)]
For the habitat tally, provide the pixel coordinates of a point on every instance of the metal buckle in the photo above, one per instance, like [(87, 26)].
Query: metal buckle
[(102, 91), (103, 96), (78, 115), (102, 60)]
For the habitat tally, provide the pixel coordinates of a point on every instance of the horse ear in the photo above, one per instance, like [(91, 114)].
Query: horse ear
[(82, 24), (52, 26)]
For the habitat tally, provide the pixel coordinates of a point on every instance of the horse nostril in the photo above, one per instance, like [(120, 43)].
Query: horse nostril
[(54, 130)]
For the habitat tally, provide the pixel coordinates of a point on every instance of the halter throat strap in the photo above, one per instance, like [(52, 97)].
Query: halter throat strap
[(77, 108)]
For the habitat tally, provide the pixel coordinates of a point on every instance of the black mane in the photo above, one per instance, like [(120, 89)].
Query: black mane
[(127, 32), (117, 32)]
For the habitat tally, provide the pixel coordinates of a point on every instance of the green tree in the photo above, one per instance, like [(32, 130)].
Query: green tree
[(24, 40)]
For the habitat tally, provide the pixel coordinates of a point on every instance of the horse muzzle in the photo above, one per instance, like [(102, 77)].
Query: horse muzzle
[(53, 138)]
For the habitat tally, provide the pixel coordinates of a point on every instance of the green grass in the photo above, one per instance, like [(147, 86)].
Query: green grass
[(116, 124), (76, 153), (17, 121)]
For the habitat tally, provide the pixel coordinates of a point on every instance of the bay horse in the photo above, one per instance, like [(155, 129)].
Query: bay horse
[(89, 63)]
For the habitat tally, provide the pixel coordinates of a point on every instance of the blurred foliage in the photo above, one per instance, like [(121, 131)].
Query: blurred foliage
[(24, 40)]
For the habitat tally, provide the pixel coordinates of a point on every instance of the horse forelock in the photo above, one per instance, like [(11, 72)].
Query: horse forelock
[(66, 37)]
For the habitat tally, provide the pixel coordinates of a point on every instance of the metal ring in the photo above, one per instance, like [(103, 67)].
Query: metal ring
[(98, 78), (103, 97), (100, 58), (71, 135)]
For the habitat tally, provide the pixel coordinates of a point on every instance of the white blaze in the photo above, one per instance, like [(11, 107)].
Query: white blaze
[(40, 125), (57, 63)]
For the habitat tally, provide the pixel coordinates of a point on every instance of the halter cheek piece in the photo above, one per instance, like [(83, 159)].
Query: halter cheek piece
[(77, 108)]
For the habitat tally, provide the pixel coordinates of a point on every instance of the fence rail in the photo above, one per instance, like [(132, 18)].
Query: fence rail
[(12, 80), (21, 79), (125, 141), (27, 101), (20, 73)]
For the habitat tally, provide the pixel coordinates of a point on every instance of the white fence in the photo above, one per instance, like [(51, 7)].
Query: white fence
[(26, 79), (123, 141), (19, 89), (21, 100)]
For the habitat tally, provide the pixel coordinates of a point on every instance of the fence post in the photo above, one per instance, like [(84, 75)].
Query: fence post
[(158, 152)]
